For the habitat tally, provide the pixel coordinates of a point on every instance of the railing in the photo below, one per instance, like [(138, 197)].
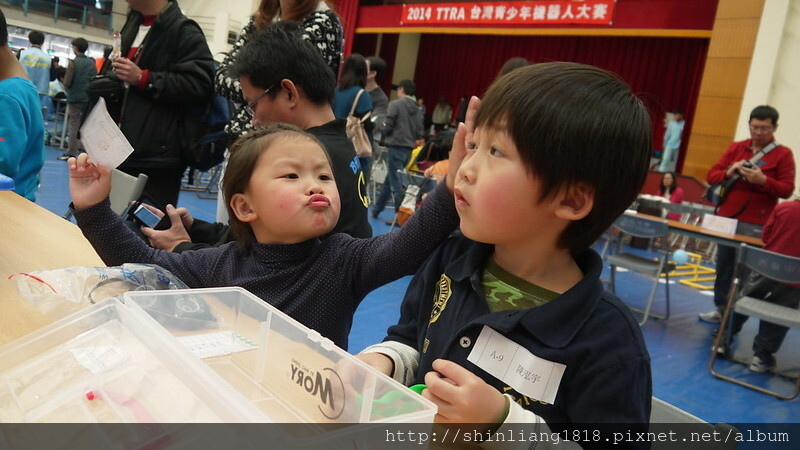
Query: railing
[(91, 13)]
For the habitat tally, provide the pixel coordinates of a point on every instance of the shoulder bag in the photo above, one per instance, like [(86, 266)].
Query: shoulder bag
[(356, 132)]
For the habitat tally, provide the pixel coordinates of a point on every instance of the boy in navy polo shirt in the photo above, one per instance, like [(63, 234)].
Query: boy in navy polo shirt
[(510, 323)]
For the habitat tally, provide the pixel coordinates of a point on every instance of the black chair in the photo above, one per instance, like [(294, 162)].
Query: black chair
[(781, 268), (646, 228)]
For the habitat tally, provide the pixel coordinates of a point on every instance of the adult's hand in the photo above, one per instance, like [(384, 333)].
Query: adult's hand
[(754, 175), (127, 70), (170, 238)]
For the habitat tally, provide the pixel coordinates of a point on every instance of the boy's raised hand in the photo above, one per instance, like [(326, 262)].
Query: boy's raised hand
[(462, 397), (462, 139), (89, 184)]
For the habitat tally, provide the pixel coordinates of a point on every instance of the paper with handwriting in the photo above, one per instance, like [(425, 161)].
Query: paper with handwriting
[(102, 139)]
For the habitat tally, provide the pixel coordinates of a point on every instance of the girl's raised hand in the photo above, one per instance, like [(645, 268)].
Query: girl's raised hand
[(89, 184), (462, 139)]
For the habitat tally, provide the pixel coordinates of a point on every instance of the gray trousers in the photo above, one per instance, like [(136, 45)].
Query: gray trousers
[(74, 119)]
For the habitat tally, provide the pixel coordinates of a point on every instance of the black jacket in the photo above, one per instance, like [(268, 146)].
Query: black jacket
[(162, 118)]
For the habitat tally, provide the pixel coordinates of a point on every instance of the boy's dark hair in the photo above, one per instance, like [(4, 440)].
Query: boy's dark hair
[(61, 72), (80, 44), (36, 37), (574, 124), (279, 51), (377, 64), (3, 29), (408, 87), (244, 154), (765, 112), (354, 72)]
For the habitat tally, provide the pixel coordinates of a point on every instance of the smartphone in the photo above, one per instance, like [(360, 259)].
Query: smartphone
[(143, 216)]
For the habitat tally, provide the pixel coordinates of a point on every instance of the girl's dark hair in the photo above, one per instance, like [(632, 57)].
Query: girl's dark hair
[(244, 155), (301, 9), (3, 30), (574, 125), (672, 188), (354, 72)]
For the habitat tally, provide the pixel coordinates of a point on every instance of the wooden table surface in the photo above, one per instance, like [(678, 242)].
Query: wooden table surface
[(32, 238)]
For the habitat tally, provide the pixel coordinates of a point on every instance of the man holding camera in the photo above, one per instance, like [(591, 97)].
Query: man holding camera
[(766, 173)]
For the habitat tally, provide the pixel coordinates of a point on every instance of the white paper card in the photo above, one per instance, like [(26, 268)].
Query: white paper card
[(220, 343), (99, 359), (513, 364), (102, 139), (724, 225)]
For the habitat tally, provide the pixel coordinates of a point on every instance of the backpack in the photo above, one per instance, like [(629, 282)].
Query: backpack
[(208, 148)]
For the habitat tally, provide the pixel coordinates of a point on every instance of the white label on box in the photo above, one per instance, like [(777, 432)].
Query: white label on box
[(719, 224), (220, 343), (513, 364), (99, 359)]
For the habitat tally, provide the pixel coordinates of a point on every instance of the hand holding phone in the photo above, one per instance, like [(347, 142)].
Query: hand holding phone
[(143, 216)]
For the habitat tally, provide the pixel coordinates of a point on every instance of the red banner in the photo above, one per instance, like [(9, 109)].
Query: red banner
[(584, 12)]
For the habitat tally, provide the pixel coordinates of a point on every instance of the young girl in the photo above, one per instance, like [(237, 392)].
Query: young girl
[(669, 189), (281, 196)]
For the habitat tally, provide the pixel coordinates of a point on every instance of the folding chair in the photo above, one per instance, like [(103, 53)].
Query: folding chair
[(646, 228), (124, 189), (377, 172), (415, 185), (781, 268), (662, 412)]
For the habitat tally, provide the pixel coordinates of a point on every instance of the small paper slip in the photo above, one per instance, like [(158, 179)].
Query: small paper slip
[(221, 343), (99, 359), (513, 364), (719, 224), (103, 140)]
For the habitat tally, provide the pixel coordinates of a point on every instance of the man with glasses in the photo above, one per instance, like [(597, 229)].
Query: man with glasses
[(296, 87), (752, 199)]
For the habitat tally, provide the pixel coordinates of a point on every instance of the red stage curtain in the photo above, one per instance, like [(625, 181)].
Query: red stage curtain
[(348, 13), (664, 72)]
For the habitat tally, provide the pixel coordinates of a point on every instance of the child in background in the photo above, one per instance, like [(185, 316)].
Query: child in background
[(510, 322), (281, 197), (670, 190)]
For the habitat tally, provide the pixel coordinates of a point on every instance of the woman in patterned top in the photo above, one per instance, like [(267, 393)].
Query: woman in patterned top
[(321, 26)]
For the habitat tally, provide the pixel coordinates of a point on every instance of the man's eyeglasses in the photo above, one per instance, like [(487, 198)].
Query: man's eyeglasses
[(762, 129), (252, 105)]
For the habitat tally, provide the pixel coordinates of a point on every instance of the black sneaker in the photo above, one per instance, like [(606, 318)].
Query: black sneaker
[(762, 362), (64, 157)]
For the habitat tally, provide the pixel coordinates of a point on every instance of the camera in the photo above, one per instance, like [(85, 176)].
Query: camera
[(747, 165)]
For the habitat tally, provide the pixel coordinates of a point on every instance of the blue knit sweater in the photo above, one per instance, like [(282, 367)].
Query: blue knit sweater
[(318, 282)]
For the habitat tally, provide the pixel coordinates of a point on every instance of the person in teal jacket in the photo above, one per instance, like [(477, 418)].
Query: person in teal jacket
[(21, 123)]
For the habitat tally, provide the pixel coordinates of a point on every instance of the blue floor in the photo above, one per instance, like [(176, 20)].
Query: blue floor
[(679, 347)]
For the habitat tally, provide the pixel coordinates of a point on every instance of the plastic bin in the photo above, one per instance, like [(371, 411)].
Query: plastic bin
[(289, 372), (112, 362)]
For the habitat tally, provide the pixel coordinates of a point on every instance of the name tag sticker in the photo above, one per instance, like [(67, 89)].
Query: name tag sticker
[(513, 364)]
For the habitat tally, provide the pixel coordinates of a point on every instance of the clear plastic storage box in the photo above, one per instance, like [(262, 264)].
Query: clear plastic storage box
[(111, 362), (289, 372)]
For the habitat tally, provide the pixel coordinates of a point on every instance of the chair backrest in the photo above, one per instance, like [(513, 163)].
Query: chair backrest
[(781, 268), (641, 226), (125, 189), (665, 418)]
